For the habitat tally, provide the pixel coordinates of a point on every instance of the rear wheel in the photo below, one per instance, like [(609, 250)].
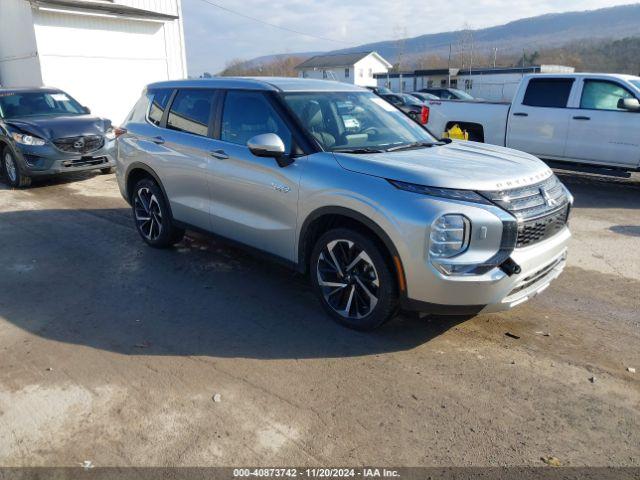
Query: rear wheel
[(108, 170), (353, 281), (152, 215), (12, 172)]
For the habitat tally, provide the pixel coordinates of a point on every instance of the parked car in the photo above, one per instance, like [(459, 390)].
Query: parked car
[(334, 181), (44, 131), (448, 93), (424, 97), (380, 90), (408, 104), (580, 118)]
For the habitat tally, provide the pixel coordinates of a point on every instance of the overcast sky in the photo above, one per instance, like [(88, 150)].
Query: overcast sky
[(214, 37)]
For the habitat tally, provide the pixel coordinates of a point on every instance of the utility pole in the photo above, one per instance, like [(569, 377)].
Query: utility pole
[(449, 68)]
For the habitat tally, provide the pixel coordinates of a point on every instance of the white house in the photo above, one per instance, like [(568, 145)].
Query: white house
[(102, 52), (356, 68)]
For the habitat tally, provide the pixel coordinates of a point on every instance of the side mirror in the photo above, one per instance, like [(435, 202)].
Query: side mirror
[(631, 104), (266, 145), (87, 110)]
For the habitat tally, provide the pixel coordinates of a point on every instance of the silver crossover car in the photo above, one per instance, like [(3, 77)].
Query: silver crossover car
[(338, 183)]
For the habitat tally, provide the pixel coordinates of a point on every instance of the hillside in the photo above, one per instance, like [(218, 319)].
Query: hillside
[(541, 33)]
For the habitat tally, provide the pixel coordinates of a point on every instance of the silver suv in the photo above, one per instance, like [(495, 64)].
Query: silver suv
[(338, 183)]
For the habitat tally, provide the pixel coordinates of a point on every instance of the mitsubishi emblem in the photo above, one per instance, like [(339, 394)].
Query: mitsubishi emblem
[(551, 202)]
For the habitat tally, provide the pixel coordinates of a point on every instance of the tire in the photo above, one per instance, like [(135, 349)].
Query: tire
[(108, 170), (360, 290), (11, 170), (152, 215)]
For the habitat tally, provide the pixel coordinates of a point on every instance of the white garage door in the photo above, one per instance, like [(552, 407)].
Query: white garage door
[(103, 62)]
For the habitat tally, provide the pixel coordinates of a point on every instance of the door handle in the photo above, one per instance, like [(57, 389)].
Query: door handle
[(579, 117), (520, 114), (219, 154), (158, 140)]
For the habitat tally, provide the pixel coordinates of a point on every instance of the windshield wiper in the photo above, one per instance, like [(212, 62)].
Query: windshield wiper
[(407, 146), (358, 150)]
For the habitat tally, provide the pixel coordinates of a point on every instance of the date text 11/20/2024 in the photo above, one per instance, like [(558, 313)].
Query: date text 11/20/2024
[(316, 472)]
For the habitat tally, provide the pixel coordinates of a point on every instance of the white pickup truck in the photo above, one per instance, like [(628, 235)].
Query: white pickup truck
[(590, 120)]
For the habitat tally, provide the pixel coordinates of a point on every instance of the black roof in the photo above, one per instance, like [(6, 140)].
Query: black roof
[(497, 70), (334, 60), (436, 71), (111, 8)]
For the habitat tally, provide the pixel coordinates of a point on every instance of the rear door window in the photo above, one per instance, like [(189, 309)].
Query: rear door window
[(548, 92), (191, 112), (159, 101)]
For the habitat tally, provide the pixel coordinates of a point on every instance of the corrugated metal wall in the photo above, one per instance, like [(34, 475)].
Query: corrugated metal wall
[(176, 51), (103, 60)]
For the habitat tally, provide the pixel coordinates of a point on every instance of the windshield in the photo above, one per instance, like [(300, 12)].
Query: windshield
[(411, 100), (29, 104), (343, 121), (462, 95)]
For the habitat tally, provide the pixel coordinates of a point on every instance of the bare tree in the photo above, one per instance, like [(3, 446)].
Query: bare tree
[(400, 34)]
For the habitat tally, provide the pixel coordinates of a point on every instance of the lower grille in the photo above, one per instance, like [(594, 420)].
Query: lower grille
[(86, 144), (85, 162), (536, 277), (535, 231)]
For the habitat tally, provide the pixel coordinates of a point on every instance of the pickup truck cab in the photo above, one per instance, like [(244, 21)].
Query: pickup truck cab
[(583, 118)]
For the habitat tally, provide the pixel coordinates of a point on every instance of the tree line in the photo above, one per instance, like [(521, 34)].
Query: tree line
[(609, 56)]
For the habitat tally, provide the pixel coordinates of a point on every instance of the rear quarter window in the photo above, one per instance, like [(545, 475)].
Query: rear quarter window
[(158, 103), (548, 92)]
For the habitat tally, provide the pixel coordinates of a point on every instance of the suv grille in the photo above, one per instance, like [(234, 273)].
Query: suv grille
[(86, 144), (542, 209), (535, 231)]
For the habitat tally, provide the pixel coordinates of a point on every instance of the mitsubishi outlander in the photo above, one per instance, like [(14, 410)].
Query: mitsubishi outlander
[(340, 184)]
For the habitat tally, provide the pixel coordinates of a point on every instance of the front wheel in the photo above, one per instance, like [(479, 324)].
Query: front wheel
[(353, 281), (152, 215), (12, 172)]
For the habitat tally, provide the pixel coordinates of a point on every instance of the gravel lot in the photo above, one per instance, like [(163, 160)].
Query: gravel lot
[(112, 352)]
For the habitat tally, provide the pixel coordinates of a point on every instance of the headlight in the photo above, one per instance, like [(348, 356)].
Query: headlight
[(450, 193), (28, 139), (449, 236), (110, 134)]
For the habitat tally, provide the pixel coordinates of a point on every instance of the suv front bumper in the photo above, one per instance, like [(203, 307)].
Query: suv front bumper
[(494, 291), (48, 160)]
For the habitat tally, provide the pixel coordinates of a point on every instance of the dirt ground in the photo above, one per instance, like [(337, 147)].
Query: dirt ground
[(112, 352)]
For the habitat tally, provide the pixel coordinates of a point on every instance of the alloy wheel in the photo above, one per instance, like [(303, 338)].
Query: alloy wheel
[(10, 167), (348, 278), (148, 214)]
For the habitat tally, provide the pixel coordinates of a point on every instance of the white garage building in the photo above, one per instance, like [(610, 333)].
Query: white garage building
[(102, 52)]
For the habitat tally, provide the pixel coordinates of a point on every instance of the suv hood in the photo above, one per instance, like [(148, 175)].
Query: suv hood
[(460, 165), (50, 128)]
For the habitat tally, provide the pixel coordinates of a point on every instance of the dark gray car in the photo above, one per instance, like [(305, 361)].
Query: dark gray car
[(45, 131)]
